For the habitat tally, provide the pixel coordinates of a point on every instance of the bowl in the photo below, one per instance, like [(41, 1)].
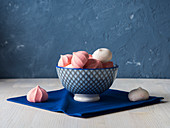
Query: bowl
[(87, 84)]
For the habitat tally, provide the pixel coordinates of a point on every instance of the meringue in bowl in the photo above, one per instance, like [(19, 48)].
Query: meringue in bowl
[(87, 84)]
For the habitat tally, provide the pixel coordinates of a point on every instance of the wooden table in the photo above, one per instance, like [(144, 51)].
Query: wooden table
[(14, 115)]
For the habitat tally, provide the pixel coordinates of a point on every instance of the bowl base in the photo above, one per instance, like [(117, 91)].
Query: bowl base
[(86, 97)]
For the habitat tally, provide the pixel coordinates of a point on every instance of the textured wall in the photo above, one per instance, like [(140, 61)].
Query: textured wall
[(34, 33)]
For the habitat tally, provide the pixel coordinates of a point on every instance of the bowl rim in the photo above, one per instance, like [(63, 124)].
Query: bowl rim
[(115, 66)]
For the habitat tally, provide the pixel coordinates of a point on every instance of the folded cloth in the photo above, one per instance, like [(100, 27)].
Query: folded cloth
[(110, 101)]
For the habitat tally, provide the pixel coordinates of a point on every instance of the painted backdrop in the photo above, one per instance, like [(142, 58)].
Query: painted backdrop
[(33, 33)]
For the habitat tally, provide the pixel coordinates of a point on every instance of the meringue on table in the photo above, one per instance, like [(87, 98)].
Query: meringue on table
[(138, 94), (37, 94)]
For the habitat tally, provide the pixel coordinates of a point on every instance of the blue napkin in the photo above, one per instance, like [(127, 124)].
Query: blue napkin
[(111, 101)]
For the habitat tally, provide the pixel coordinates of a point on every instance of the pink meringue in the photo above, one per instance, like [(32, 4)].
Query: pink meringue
[(84, 52), (92, 64), (37, 94), (65, 60), (79, 59), (108, 64)]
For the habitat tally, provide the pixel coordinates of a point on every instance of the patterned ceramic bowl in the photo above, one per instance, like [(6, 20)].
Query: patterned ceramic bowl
[(87, 84)]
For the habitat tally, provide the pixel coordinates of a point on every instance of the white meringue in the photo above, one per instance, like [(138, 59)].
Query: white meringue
[(138, 94), (102, 54)]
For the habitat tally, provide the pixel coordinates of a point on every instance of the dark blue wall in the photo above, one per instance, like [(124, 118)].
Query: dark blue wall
[(33, 33)]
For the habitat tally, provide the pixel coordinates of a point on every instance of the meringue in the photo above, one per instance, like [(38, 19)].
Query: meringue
[(69, 66), (37, 94), (79, 59), (103, 54), (138, 94), (92, 64), (65, 60), (108, 64)]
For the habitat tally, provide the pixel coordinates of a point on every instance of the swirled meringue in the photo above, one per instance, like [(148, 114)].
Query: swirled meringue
[(37, 94), (79, 59), (92, 64), (65, 60), (108, 64), (103, 54), (138, 94)]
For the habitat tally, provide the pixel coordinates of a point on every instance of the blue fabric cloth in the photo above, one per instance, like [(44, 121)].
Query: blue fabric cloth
[(111, 101)]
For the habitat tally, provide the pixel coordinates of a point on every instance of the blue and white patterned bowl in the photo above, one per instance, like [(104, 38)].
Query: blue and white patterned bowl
[(89, 82)]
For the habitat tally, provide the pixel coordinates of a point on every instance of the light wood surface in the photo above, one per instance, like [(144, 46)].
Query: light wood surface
[(13, 115)]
